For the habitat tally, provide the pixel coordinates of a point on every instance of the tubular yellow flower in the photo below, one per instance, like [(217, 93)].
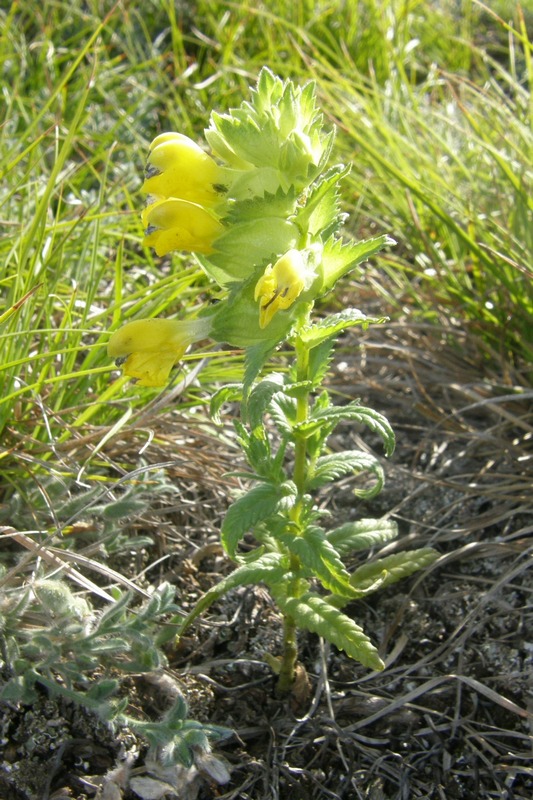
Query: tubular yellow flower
[(280, 285), (147, 349), (178, 167), (174, 224)]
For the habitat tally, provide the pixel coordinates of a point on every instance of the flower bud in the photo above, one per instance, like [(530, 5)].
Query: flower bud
[(281, 284), (175, 224), (147, 349)]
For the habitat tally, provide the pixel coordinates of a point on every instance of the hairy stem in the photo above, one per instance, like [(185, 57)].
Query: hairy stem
[(302, 412), (290, 647), (289, 657)]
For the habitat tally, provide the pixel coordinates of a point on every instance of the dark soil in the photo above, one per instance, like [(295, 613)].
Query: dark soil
[(449, 718)]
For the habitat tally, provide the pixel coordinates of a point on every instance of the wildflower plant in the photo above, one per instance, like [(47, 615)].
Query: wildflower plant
[(262, 215)]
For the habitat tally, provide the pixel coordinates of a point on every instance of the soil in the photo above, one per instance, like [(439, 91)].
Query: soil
[(450, 717)]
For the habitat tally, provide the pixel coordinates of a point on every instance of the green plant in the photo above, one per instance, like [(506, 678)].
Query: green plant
[(264, 224), (55, 640)]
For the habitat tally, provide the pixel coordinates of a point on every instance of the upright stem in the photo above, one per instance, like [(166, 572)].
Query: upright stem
[(290, 647), (288, 658), (302, 412)]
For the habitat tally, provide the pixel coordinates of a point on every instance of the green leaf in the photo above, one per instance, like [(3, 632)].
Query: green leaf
[(279, 129), (268, 568), (161, 602), (257, 450), (127, 507), (314, 614), (55, 596), (339, 258), (113, 644), (319, 360), (247, 245), (321, 559), (260, 397), (255, 358), (78, 504), (352, 412), (257, 145), (329, 468), (177, 713), (256, 505), (278, 204), (243, 435), (283, 410), (321, 214), (316, 442), (384, 571), (226, 394), (102, 690), (336, 323), (362, 535), (114, 614), (269, 89), (236, 318)]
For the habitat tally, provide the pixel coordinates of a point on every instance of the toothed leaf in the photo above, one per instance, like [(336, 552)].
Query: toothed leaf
[(339, 258), (314, 614), (392, 568), (258, 504), (334, 324), (362, 535), (321, 214), (226, 394), (352, 412), (320, 558), (331, 467), (278, 204), (268, 567), (260, 397)]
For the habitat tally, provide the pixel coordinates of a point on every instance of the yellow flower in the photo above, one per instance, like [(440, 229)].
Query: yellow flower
[(178, 167), (175, 224), (280, 285), (147, 349)]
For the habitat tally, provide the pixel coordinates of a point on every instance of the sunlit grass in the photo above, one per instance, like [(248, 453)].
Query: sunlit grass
[(438, 131), (447, 168)]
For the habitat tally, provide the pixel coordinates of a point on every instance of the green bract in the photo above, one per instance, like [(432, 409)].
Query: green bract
[(280, 128)]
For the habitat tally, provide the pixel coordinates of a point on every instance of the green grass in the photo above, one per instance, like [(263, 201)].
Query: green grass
[(448, 172), (437, 127)]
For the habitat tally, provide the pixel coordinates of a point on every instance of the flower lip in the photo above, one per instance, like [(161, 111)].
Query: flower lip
[(150, 171)]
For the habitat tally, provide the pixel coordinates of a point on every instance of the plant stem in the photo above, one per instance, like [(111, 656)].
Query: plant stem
[(289, 657), (302, 412), (290, 647)]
